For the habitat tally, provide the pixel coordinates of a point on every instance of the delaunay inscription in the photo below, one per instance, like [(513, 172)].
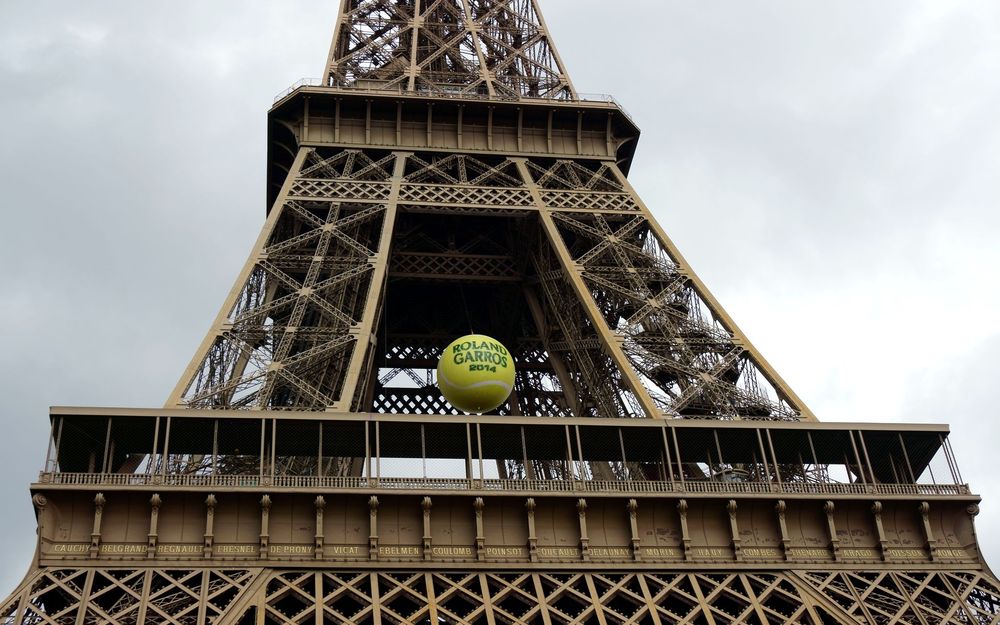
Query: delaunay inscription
[(610, 552)]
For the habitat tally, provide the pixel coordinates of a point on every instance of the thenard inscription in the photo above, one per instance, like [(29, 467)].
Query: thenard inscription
[(802, 552)]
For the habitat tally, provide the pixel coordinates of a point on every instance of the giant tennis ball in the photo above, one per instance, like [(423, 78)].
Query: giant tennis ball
[(476, 373)]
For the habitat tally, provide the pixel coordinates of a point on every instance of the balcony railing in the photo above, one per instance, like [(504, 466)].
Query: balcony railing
[(494, 485), (461, 95)]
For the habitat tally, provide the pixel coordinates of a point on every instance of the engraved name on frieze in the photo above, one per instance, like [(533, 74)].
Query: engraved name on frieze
[(858, 553), (236, 549), (292, 550), (342, 550), (610, 552), (807, 552), (174, 550), (398, 551), (662, 552), (761, 552), (506, 552), (69, 548), (445, 552), (558, 552), (953, 553), (112, 549)]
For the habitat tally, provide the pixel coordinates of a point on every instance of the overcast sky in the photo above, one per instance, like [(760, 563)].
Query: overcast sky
[(831, 170)]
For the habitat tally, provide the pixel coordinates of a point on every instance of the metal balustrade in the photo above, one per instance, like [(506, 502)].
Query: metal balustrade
[(496, 485)]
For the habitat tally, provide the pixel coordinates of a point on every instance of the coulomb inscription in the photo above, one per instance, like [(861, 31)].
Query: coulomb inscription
[(452, 551)]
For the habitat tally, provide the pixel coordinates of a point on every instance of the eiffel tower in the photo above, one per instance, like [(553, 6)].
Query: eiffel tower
[(649, 468)]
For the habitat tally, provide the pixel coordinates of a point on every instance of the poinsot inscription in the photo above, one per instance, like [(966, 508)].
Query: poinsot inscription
[(506, 552)]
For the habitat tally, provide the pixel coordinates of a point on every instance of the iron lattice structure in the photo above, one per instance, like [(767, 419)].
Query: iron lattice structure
[(493, 48), (650, 467)]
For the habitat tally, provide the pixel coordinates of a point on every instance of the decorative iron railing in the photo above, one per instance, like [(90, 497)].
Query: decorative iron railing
[(493, 485)]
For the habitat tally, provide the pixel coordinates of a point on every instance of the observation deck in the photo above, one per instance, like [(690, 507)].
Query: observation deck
[(199, 485)]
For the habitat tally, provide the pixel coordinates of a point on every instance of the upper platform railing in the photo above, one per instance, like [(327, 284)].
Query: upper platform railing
[(302, 83), (306, 482)]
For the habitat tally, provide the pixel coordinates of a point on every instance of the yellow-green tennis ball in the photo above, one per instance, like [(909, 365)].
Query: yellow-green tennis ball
[(476, 373)]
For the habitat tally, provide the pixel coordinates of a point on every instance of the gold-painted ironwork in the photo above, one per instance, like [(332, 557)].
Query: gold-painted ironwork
[(649, 468)]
